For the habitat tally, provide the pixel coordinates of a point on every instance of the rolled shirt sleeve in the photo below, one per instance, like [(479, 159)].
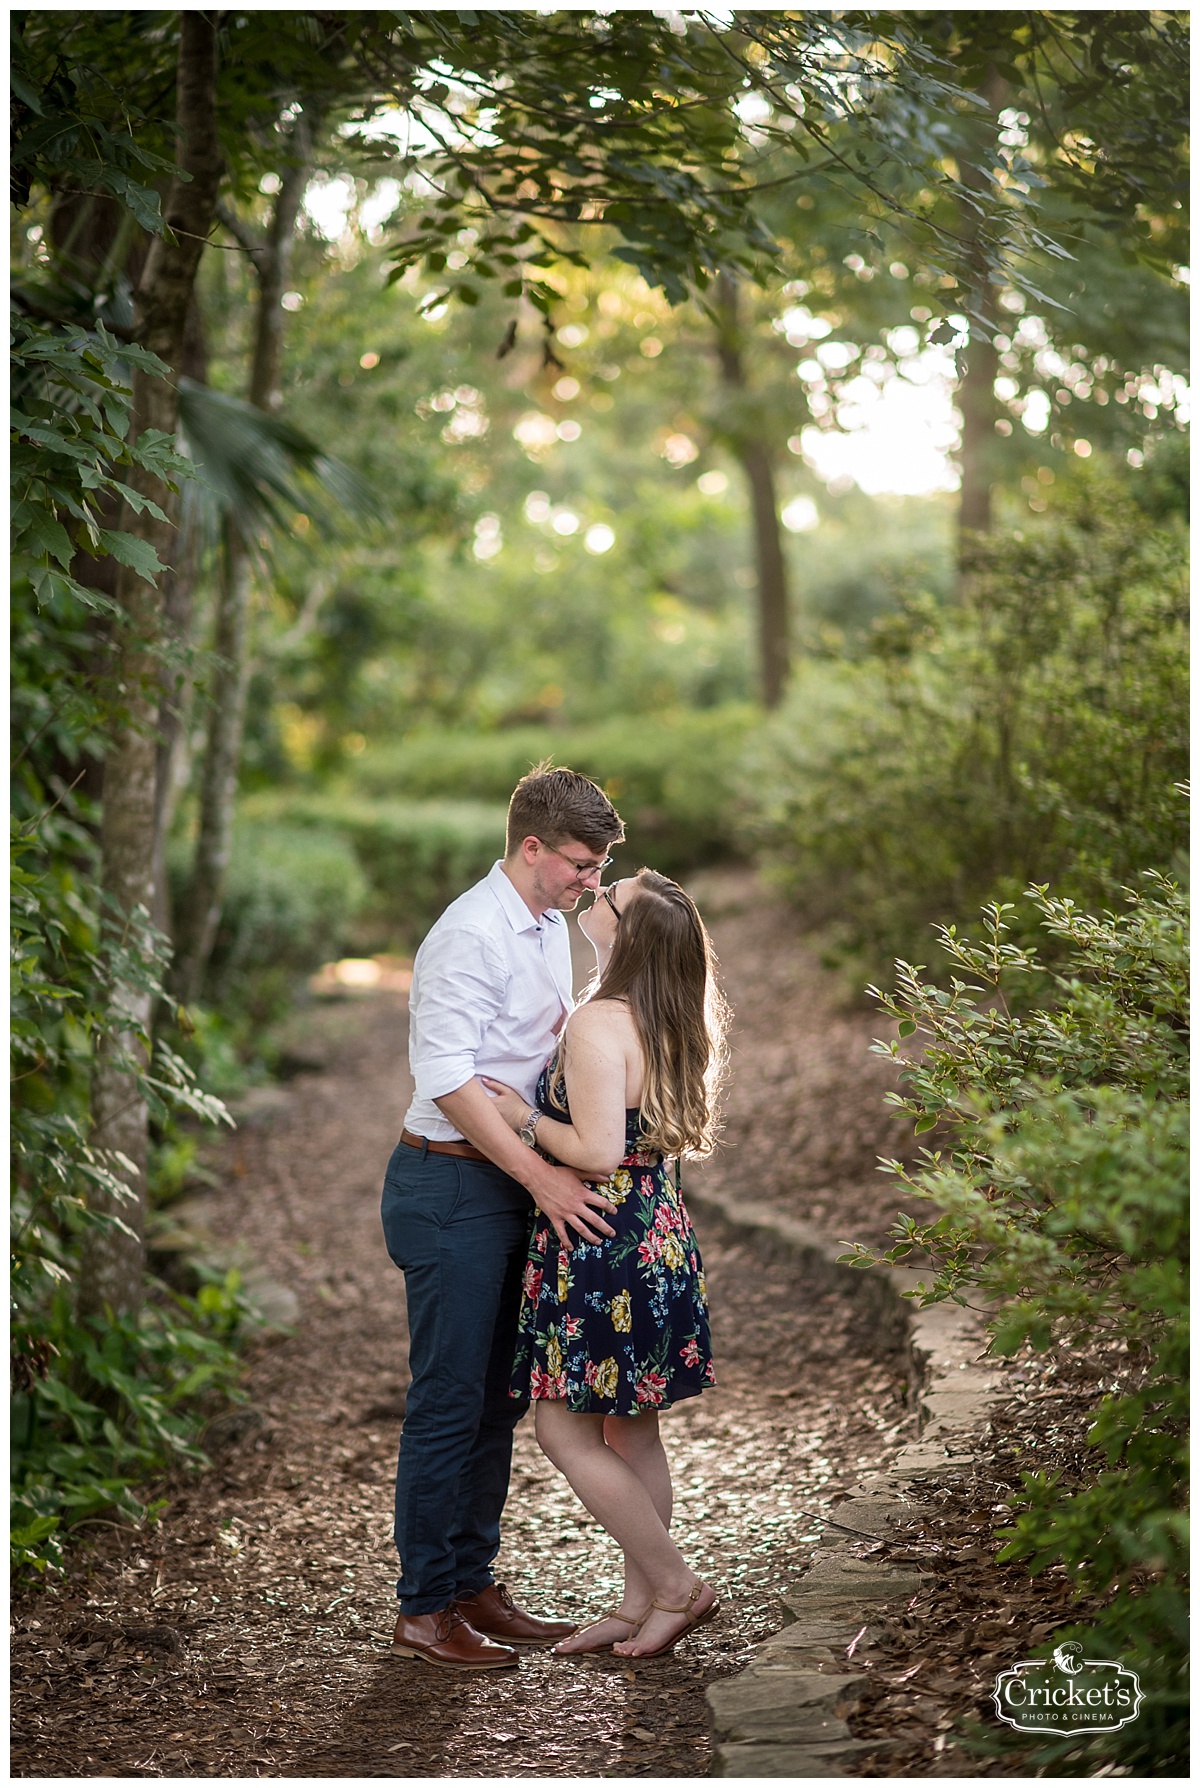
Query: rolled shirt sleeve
[(465, 985)]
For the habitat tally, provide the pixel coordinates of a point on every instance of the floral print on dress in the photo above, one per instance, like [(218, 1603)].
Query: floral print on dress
[(617, 1326)]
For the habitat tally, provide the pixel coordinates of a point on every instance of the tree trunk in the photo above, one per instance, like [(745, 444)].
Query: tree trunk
[(754, 456), (113, 1262), (226, 716), (273, 265), (976, 393), (772, 574), (171, 753), (218, 789), (979, 409), (179, 591)]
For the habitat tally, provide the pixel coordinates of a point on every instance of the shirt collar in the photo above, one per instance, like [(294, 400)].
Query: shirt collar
[(513, 907)]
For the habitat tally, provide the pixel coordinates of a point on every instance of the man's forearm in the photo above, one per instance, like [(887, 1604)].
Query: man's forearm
[(559, 1192)]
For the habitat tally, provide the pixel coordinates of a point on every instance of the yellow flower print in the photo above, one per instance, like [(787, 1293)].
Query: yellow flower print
[(622, 1321), (606, 1379), (672, 1252), (619, 1185), (554, 1359), (564, 1277), (703, 1289)]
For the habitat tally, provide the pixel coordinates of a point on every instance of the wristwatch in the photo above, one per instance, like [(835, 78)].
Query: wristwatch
[(529, 1126)]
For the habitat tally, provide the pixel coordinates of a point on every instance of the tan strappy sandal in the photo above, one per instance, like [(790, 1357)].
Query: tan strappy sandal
[(632, 1621), (685, 1608)]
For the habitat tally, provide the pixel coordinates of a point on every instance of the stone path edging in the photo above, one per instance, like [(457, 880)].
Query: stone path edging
[(784, 1714)]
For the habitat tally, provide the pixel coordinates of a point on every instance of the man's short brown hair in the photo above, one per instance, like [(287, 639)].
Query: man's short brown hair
[(554, 804)]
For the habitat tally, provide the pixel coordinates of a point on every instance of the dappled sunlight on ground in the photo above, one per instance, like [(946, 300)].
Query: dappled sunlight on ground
[(249, 1633)]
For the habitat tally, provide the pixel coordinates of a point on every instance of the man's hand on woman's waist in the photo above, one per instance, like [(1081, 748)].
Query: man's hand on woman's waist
[(562, 1194)]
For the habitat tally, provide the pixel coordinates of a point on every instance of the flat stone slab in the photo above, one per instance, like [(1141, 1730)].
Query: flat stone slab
[(810, 1630), (877, 1516), (766, 1686), (929, 1459), (782, 1716), (835, 1580), (789, 1726), (797, 1761)]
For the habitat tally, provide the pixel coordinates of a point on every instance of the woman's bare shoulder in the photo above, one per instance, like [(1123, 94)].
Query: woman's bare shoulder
[(597, 1021)]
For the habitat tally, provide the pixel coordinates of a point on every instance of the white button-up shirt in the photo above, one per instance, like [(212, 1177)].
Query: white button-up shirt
[(491, 990)]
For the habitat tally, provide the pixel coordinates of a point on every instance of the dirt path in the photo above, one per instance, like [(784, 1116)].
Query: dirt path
[(247, 1634)]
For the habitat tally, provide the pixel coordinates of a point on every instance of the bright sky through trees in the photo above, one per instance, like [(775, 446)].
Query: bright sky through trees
[(896, 434)]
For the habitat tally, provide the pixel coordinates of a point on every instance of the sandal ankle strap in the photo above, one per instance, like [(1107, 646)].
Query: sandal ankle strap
[(684, 1607)]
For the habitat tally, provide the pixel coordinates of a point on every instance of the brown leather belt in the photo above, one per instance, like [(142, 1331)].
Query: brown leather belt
[(464, 1150)]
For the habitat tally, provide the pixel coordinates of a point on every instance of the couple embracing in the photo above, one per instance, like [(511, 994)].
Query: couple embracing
[(547, 1253)]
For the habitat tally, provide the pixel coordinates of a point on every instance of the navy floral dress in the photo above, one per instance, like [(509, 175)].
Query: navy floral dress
[(617, 1326)]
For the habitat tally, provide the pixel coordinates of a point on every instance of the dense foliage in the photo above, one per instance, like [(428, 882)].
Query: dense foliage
[(1034, 728), (100, 1405), (1059, 1177)]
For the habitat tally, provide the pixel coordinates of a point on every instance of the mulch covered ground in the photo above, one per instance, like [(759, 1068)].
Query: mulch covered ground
[(806, 1117), (932, 1670), (248, 1632)]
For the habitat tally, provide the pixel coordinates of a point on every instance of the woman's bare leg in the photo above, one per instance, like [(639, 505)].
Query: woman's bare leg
[(609, 1487), (638, 1441)]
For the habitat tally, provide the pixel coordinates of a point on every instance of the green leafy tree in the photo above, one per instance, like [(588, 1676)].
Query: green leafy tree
[(1084, 130), (1035, 727), (1059, 1177)]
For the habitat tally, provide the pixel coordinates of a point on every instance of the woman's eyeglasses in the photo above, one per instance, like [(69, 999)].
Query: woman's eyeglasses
[(606, 895)]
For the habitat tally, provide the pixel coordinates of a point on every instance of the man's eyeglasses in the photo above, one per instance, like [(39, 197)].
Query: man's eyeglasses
[(585, 871)]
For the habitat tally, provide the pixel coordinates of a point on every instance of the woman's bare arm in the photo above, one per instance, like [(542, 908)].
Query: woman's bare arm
[(598, 1039)]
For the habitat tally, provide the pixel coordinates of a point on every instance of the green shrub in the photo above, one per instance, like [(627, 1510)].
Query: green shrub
[(98, 1405), (291, 899), (671, 775), (1061, 1186), (413, 857), (1031, 730), (102, 1405)]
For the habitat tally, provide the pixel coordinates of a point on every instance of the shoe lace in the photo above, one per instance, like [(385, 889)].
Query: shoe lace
[(505, 1599), (447, 1621)]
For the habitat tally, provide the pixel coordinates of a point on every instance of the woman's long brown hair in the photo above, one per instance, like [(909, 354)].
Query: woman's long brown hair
[(663, 966)]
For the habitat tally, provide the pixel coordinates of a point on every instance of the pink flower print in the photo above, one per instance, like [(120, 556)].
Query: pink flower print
[(531, 1281), (664, 1218), (690, 1352), (650, 1387), (541, 1241), (647, 1184), (558, 1387), (572, 1326), (542, 1385), (650, 1250), (710, 1373)]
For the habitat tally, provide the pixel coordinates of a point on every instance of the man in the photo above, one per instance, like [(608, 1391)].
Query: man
[(491, 992)]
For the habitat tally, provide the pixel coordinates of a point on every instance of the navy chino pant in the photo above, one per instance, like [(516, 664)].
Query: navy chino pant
[(459, 1232)]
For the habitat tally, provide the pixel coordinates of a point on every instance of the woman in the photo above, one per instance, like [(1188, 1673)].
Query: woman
[(613, 1331)]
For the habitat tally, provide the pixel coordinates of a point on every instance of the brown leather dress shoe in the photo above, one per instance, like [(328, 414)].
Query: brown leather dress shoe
[(493, 1611), (448, 1639)]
